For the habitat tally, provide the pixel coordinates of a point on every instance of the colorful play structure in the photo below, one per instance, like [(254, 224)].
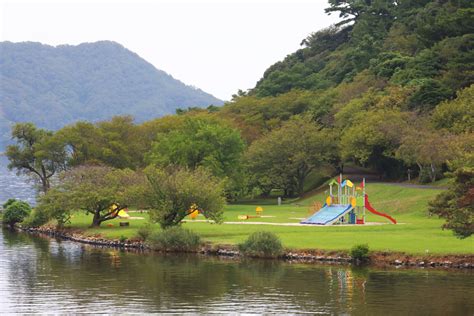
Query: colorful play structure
[(346, 205)]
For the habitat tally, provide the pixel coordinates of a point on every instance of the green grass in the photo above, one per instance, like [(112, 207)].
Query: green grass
[(416, 233)]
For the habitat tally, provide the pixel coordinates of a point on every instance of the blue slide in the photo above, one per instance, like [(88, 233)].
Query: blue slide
[(328, 214)]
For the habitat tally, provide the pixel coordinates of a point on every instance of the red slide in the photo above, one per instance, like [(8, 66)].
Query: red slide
[(372, 210)]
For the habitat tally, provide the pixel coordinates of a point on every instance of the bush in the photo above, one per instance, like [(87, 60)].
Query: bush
[(262, 244), (360, 253), (36, 218), (16, 212), (7, 203), (175, 239), (145, 232)]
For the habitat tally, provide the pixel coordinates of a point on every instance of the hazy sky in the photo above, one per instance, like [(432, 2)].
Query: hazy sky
[(218, 46)]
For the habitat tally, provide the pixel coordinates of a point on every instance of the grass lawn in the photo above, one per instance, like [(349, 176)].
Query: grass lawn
[(416, 233)]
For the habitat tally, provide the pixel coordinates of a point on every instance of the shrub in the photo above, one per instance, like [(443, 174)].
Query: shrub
[(360, 253), (122, 238), (145, 231), (7, 203), (36, 218), (16, 212), (175, 239), (262, 244)]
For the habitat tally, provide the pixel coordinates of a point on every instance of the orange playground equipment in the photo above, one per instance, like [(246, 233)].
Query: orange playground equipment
[(346, 204)]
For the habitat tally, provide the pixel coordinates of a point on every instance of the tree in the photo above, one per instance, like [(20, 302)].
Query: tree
[(373, 137), (116, 143), (82, 141), (174, 193), (37, 153), (286, 156), (202, 142), (427, 149), (457, 115), (100, 191), (199, 143), (456, 205), (55, 204), (16, 212)]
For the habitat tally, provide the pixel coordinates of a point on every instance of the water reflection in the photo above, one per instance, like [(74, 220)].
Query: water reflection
[(43, 275)]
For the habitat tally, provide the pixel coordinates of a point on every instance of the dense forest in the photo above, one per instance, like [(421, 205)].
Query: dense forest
[(389, 88), (55, 86)]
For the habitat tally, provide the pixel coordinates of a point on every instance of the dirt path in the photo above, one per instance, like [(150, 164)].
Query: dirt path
[(414, 186)]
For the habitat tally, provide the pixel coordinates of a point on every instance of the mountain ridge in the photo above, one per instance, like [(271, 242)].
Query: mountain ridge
[(57, 85)]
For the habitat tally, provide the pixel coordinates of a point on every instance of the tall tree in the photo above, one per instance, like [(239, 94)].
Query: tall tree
[(37, 153), (286, 156), (202, 142), (199, 143)]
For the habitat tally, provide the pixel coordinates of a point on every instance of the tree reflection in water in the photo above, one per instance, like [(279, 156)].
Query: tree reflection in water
[(46, 275)]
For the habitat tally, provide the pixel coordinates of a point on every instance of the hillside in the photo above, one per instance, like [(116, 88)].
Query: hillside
[(392, 82), (55, 86), (424, 44)]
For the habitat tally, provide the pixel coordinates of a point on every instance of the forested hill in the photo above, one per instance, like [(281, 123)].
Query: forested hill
[(426, 45), (392, 82), (54, 86)]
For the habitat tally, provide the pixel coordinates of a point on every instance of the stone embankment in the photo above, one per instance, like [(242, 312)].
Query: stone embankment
[(292, 256)]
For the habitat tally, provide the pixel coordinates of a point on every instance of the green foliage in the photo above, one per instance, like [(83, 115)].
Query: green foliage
[(199, 143), (425, 44), (456, 205), (426, 148), (457, 115), (145, 231), (285, 157), (36, 218), (96, 190), (360, 253), (8, 203), (16, 212), (170, 194), (429, 93), (175, 239), (262, 244), (56, 205), (38, 153), (373, 138), (115, 143)]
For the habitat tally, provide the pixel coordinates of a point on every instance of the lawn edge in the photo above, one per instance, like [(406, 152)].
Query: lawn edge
[(377, 258)]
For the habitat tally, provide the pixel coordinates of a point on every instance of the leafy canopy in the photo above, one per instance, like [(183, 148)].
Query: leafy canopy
[(173, 193)]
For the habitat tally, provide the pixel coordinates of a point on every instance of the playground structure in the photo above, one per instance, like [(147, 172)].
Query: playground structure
[(345, 205)]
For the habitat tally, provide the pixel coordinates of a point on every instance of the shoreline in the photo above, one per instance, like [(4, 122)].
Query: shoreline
[(313, 256)]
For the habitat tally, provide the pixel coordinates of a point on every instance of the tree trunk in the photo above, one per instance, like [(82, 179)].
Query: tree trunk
[(44, 180), (44, 185), (433, 173), (96, 220), (301, 186), (420, 166)]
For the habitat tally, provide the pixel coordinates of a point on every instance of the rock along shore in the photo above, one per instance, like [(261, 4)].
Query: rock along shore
[(293, 256)]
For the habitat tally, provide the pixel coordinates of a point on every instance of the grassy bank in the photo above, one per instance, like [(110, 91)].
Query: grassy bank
[(416, 233)]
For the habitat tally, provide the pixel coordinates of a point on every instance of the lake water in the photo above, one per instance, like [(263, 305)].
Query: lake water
[(13, 186), (38, 274)]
